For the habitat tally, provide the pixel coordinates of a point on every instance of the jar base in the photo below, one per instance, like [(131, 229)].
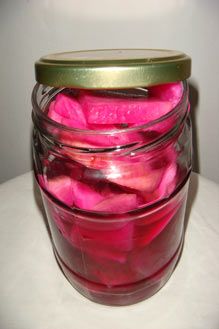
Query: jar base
[(121, 295)]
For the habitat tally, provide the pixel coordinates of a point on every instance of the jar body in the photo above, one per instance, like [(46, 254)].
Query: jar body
[(115, 200)]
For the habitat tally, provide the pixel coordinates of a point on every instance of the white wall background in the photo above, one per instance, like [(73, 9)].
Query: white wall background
[(32, 28)]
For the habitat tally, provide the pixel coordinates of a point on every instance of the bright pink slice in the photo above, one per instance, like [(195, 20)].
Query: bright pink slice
[(67, 111), (52, 114), (61, 188), (109, 110), (118, 203), (84, 196), (70, 192), (170, 92), (168, 182)]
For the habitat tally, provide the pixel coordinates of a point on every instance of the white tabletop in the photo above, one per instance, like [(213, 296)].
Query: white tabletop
[(35, 294)]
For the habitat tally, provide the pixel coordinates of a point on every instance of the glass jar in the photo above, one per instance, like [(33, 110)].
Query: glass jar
[(112, 157)]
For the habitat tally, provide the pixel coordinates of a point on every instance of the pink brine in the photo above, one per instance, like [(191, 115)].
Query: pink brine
[(116, 216)]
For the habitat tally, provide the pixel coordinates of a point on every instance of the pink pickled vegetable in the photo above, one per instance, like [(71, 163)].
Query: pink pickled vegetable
[(84, 196), (168, 182), (52, 114), (67, 111), (87, 198), (118, 239), (104, 113), (61, 188), (108, 110), (70, 192), (118, 203), (169, 92)]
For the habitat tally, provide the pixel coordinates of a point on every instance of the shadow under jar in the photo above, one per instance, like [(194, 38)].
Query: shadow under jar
[(112, 157)]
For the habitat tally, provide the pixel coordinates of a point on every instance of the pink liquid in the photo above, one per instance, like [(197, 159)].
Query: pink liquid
[(118, 262), (116, 217)]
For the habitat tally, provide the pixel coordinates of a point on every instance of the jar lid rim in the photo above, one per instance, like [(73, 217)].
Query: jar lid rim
[(113, 68)]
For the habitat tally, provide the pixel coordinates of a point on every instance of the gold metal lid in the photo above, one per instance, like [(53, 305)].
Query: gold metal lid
[(113, 68)]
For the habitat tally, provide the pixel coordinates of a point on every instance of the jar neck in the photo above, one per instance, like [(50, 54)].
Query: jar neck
[(133, 138)]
